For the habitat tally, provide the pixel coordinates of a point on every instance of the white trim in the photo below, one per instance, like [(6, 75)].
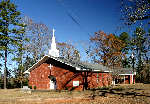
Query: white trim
[(124, 79), (97, 70), (113, 82), (84, 69), (101, 71), (77, 68), (107, 71), (134, 73), (132, 79), (26, 72), (126, 74)]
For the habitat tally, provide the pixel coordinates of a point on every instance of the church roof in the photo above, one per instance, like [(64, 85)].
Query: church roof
[(82, 66), (79, 66)]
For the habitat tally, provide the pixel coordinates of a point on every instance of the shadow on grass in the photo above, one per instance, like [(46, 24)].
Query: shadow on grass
[(113, 92)]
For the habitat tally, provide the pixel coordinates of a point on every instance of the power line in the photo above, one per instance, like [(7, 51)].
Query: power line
[(72, 17), (69, 13)]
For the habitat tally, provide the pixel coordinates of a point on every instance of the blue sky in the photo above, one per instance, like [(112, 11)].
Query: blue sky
[(92, 16)]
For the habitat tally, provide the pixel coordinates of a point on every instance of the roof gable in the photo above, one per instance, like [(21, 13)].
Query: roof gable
[(79, 66)]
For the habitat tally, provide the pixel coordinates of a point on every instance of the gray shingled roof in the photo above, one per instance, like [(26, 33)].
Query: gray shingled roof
[(95, 67), (126, 71), (81, 66), (84, 65)]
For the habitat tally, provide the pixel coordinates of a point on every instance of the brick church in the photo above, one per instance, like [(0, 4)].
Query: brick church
[(56, 73)]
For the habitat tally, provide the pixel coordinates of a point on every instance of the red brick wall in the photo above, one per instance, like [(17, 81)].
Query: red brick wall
[(39, 78), (127, 79), (96, 80), (65, 78)]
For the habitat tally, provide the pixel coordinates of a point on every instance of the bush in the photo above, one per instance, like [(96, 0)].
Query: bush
[(25, 83), (30, 87), (72, 88), (34, 87)]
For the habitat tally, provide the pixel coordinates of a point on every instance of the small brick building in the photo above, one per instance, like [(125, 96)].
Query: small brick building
[(54, 72), (57, 73)]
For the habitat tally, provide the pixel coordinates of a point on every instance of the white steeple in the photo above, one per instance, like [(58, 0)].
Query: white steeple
[(53, 51)]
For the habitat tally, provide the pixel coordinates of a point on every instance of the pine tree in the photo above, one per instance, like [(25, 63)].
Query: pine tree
[(11, 30)]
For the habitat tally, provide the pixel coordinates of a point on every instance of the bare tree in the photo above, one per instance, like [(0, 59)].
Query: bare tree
[(68, 51), (39, 36)]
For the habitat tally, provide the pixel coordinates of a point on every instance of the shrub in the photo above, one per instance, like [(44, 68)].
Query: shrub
[(25, 83), (72, 88), (34, 87), (30, 87), (66, 88)]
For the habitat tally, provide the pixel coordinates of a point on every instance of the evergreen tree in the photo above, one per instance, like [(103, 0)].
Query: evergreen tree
[(10, 31), (124, 36), (141, 44)]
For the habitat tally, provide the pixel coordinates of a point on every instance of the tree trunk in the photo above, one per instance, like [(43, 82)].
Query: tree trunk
[(85, 83), (5, 71), (21, 85)]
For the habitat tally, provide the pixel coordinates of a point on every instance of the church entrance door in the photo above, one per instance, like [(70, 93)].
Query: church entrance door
[(52, 84)]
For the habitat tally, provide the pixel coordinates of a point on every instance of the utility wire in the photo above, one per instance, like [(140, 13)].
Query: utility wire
[(69, 13), (73, 17)]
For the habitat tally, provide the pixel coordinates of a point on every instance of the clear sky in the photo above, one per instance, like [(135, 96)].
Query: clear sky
[(89, 16), (92, 15)]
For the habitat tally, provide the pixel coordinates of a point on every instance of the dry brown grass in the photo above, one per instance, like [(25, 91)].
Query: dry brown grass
[(121, 94)]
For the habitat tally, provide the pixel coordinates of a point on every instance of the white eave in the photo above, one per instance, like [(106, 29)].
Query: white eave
[(77, 68), (126, 74), (101, 71), (107, 71), (26, 72)]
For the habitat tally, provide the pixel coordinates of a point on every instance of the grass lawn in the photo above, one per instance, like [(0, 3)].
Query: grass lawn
[(120, 94)]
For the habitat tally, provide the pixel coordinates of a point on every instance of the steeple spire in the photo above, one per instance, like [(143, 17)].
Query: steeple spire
[(53, 51), (53, 32)]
